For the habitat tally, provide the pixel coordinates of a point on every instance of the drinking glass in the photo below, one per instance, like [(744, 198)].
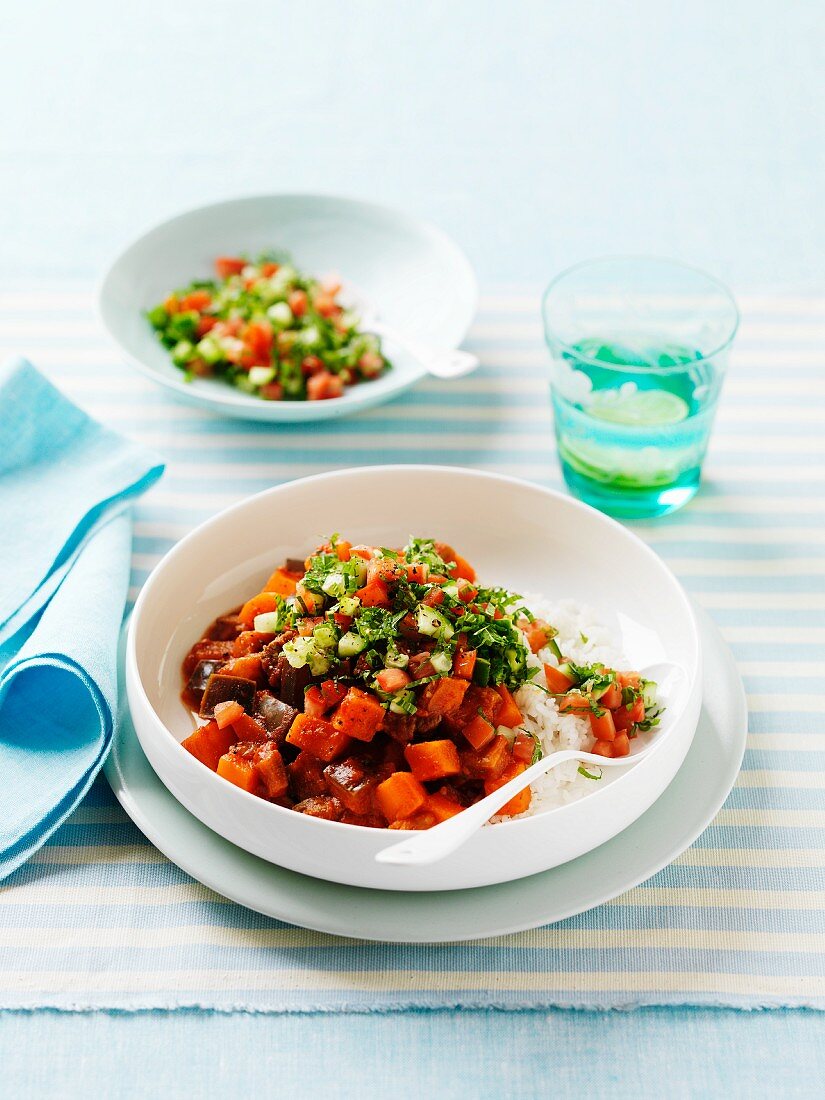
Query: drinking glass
[(639, 352)]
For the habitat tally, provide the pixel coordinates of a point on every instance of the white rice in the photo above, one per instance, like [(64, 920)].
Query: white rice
[(583, 639)]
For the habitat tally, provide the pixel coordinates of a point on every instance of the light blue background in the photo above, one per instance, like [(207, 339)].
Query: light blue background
[(537, 133)]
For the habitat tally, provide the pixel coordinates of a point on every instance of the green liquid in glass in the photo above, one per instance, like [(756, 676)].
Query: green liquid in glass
[(632, 442)]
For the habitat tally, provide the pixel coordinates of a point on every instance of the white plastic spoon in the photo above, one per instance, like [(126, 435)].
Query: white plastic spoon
[(431, 845), (440, 362)]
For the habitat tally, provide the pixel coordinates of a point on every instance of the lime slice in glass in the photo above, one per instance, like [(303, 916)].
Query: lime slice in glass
[(640, 408)]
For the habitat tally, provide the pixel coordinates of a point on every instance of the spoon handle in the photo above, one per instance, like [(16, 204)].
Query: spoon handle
[(442, 363), (431, 845)]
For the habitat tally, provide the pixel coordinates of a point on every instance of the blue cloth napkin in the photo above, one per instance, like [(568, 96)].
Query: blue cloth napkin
[(65, 487)]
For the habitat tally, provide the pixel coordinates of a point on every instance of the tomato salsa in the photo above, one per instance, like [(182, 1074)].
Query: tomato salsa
[(377, 687), (269, 330)]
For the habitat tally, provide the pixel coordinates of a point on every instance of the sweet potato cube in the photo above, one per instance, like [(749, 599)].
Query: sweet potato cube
[(443, 696), (442, 807), (248, 729), (271, 771), (241, 771), (359, 715), (209, 743), (520, 802), (318, 737), (400, 796), (433, 760), (227, 713)]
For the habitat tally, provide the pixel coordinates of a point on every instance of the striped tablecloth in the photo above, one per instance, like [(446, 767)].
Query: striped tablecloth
[(100, 919)]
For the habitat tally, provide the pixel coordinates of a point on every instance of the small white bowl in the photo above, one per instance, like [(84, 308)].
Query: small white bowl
[(408, 272), (516, 534)]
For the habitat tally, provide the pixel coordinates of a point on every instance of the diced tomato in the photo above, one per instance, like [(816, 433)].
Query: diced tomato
[(602, 725), (434, 597), (227, 713), (523, 747), (306, 625), (269, 269), (466, 591), (344, 622), (172, 305), (205, 324), (462, 568), (250, 641), (508, 714), (433, 760), (258, 338), (611, 698), (371, 364), (374, 594), (325, 304), (196, 299), (418, 572), (621, 745), (479, 732), (629, 679), (311, 364), (557, 682), (229, 265), (520, 802), (314, 704), (271, 391), (603, 748), (323, 386), (464, 662), (384, 569), (625, 718), (363, 552), (343, 550), (297, 301), (574, 703), (391, 680), (332, 693)]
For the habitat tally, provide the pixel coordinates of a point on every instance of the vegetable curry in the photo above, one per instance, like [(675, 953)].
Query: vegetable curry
[(375, 687)]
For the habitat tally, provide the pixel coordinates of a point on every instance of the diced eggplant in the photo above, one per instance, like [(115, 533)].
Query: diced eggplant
[(270, 656), (349, 782), (273, 713), (225, 628), (221, 688), (323, 805), (293, 682), (196, 685), (306, 779), (400, 727), (294, 565)]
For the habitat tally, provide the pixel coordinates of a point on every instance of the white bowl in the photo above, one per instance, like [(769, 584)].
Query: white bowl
[(410, 273), (516, 534)]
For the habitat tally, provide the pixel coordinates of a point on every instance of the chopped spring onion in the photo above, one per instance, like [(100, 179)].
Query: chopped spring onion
[(589, 775)]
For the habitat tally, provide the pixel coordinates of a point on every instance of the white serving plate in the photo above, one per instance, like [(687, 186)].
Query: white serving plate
[(516, 534), (411, 274), (660, 835)]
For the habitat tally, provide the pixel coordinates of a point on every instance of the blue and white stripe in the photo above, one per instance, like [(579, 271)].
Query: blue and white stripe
[(100, 919)]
